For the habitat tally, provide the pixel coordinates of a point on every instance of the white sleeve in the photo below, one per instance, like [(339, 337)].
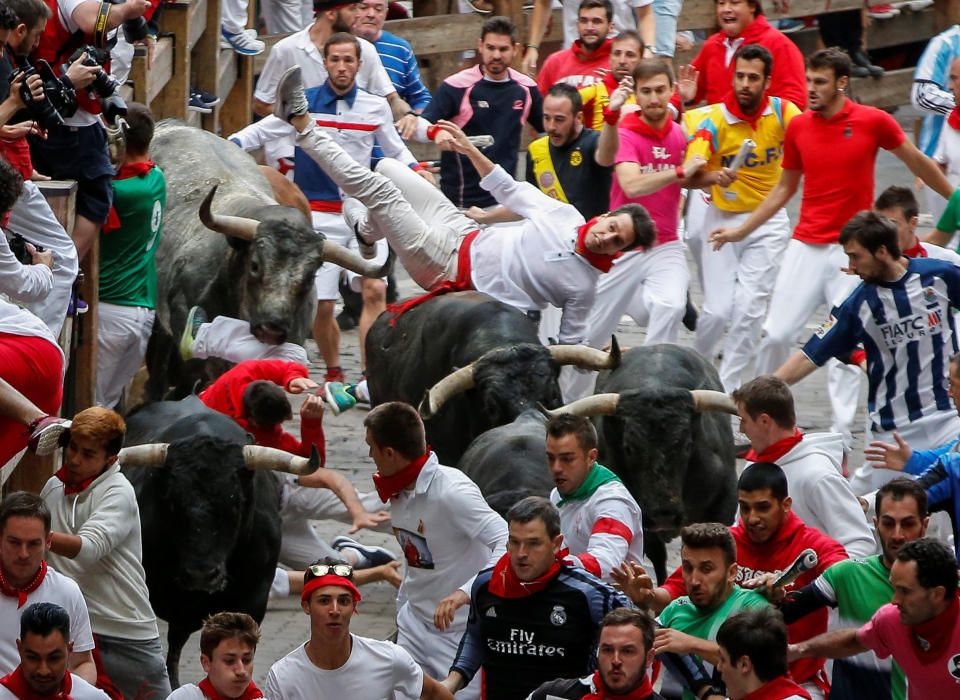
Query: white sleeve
[(573, 319), (377, 80), (389, 139), (519, 197), (407, 675), (257, 134), (483, 523), (277, 63), (271, 688), (80, 622), (610, 536), (930, 97), (940, 155), (841, 514), (108, 525), (22, 283)]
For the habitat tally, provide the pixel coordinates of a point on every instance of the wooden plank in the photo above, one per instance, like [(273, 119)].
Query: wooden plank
[(227, 76), (161, 71), (200, 19), (235, 112), (891, 90), (206, 56), (173, 96), (31, 473)]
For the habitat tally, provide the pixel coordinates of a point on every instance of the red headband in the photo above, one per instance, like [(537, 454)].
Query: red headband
[(330, 580)]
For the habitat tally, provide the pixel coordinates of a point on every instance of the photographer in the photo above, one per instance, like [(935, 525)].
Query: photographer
[(32, 217), (77, 149)]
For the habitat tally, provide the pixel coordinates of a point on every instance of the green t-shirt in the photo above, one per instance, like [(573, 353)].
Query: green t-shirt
[(860, 587), (684, 616), (128, 271), (950, 219)]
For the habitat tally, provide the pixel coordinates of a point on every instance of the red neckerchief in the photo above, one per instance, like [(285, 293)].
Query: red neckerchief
[(610, 82), (917, 251), (504, 582), (69, 488), (776, 450), (633, 122), (954, 119), (206, 687), (601, 261), (780, 687), (643, 691), (17, 684), (390, 486), (931, 637), (730, 102), (602, 51), (127, 170), (21, 593)]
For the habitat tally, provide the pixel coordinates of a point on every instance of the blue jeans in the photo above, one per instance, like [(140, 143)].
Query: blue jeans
[(666, 12)]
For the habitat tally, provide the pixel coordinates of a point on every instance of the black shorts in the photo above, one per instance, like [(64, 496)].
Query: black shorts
[(78, 153)]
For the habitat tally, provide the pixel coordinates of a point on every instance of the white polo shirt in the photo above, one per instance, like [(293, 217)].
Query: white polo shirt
[(79, 690), (374, 671), (299, 50), (55, 588)]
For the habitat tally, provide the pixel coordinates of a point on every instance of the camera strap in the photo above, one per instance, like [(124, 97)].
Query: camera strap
[(100, 29)]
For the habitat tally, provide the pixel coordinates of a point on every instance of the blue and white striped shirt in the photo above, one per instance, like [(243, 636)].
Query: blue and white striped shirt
[(400, 62), (909, 335), (931, 92)]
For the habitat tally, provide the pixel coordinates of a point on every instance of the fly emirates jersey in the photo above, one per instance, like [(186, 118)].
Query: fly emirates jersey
[(717, 136)]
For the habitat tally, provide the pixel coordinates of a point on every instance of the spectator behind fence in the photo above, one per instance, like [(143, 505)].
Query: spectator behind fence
[(581, 64)]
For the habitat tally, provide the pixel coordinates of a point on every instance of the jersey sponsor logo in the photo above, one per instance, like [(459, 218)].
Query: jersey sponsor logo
[(904, 330), (848, 132), (651, 168), (576, 158), (491, 612), (523, 643), (753, 160), (953, 667), (558, 616), (546, 180), (660, 152), (826, 326), (415, 549), (930, 297)]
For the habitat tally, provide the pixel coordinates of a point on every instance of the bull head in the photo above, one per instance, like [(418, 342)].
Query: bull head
[(463, 379), (254, 456)]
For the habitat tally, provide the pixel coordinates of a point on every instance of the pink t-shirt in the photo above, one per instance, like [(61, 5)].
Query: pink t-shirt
[(938, 678), (654, 152)]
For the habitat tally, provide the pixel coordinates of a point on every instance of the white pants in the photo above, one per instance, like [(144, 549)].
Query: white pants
[(233, 16), (122, 336), (33, 219), (421, 224), (285, 16), (230, 339), (738, 280), (651, 288), (433, 649), (693, 228), (335, 229), (121, 58)]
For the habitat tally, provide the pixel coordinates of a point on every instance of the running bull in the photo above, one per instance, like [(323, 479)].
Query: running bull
[(471, 363), (209, 513), (260, 269), (661, 426)]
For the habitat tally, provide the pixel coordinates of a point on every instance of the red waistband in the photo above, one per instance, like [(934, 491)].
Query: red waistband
[(334, 207)]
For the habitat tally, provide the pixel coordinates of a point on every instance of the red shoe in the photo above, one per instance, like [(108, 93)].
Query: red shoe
[(334, 374), (45, 434)]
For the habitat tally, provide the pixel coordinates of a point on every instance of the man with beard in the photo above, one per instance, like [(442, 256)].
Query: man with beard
[(624, 654), (738, 279), (626, 50), (580, 64), (833, 144)]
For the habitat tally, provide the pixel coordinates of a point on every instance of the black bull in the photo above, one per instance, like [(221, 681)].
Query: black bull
[(210, 519)]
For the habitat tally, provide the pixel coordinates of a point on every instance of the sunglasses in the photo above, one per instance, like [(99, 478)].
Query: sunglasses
[(318, 570)]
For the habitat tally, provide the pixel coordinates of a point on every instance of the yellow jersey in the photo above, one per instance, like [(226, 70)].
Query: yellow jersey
[(595, 99), (717, 134)]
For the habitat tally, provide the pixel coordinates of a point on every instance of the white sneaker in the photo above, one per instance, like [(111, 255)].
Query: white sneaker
[(355, 214), (242, 43)]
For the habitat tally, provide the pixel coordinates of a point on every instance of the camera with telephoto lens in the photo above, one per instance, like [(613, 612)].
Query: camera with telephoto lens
[(104, 85), (59, 100)]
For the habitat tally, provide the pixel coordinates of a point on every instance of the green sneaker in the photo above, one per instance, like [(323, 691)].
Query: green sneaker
[(196, 318), (336, 397), (355, 390)]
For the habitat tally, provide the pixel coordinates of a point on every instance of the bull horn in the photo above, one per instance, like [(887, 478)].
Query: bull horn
[(454, 383), (596, 405), (707, 400), (338, 255), (150, 455), (236, 226), (257, 457), (585, 357)]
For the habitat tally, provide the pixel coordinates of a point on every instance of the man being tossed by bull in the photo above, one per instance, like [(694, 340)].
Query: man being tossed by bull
[(551, 257)]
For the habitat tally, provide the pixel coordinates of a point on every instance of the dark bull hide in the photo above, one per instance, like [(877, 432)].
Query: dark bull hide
[(470, 362), (664, 428), (237, 254), (210, 517)]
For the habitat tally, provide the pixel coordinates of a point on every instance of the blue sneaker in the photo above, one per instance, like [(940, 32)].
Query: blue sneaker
[(368, 555), (243, 43), (336, 397)]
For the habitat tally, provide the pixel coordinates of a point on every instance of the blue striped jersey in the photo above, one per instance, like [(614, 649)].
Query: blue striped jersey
[(934, 68), (401, 65), (909, 335)]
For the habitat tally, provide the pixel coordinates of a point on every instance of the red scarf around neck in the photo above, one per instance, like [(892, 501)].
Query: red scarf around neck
[(776, 450), (390, 486), (601, 261), (954, 119), (635, 123), (601, 52), (936, 633), (128, 170), (643, 691), (70, 488), (505, 583), (206, 687), (916, 251), (16, 683), (730, 102), (6, 588)]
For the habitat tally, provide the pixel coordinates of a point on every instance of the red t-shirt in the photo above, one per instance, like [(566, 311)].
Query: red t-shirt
[(837, 158), (573, 66), (226, 396), (775, 556)]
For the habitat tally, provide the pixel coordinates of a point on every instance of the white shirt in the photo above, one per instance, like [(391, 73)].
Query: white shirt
[(375, 670), (23, 283), (17, 321), (299, 50), (532, 263), (948, 153), (603, 530), (79, 690), (187, 691), (55, 588), (275, 137), (66, 9), (447, 533), (936, 252)]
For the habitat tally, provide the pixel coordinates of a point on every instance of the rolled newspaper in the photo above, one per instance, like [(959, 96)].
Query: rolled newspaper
[(745, 148)]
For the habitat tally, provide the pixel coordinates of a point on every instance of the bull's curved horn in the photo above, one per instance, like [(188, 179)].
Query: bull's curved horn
[(707, 400), (585, 357), (257, 457), (153, 454), (596, 405), (338, 255), (236, 226), (454, 383)]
